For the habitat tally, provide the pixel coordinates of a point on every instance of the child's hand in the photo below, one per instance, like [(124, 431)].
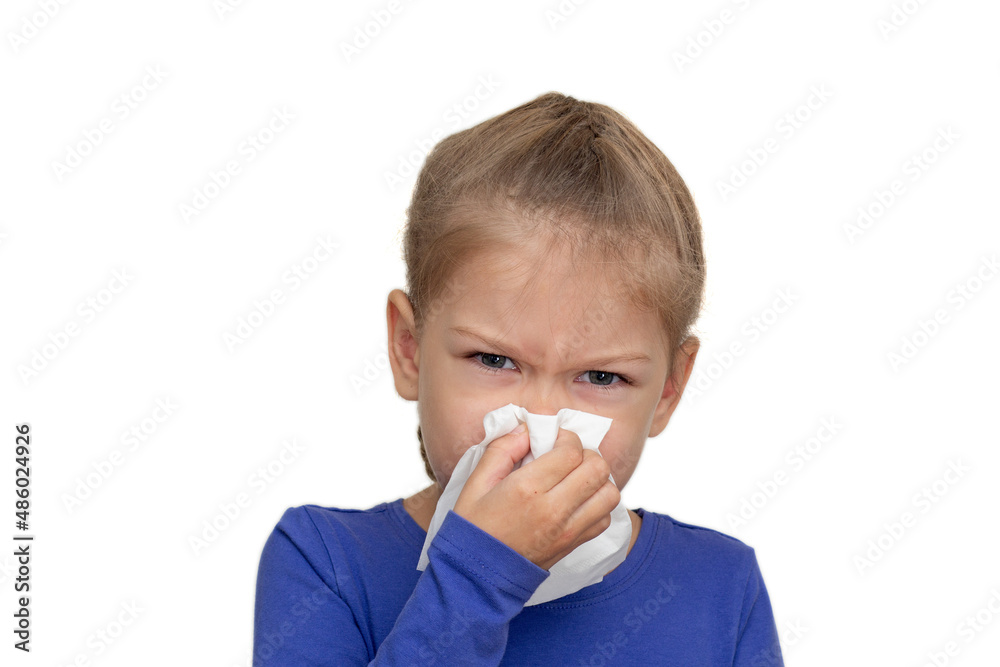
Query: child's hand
[(546, 508)]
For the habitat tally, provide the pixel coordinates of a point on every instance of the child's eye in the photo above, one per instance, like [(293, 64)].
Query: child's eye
[(605, 374), (496, 363), (489, 360)]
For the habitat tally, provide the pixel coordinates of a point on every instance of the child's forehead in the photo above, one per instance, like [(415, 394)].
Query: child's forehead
[(517, 266), (554, 287), (573, 284), (524, 309), (550, 286)]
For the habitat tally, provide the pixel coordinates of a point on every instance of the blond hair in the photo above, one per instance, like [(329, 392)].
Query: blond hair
[(574, 172)]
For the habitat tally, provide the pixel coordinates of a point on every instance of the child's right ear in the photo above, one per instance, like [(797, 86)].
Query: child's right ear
[(404, 349)]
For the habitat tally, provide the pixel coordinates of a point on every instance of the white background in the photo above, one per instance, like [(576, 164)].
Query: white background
[(856, 298)]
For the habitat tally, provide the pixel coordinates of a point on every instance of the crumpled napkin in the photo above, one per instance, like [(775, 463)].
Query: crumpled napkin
[(587, 564)]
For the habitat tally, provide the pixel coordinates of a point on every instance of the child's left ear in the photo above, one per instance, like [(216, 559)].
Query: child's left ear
[(683, 364)]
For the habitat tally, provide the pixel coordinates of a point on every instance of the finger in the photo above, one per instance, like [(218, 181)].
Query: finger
[(553, 466), (498, 460), (588, 490), (590, 519)]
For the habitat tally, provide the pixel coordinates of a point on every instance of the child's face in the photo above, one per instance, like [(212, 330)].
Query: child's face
[(551, 349)]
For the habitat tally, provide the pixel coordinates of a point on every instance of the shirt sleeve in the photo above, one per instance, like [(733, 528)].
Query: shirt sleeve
[(757, 638), (458, 614)]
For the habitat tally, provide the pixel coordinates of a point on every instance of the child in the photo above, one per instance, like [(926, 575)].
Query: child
[(554, 259)]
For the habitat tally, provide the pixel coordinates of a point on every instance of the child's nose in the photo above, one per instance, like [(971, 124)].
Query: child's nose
[(548, 405), (537, 411)]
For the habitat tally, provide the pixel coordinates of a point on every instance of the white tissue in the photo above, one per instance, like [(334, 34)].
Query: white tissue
[(589, 562)]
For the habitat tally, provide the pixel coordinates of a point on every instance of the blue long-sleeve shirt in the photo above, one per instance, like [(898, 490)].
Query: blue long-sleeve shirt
[(340, 587)]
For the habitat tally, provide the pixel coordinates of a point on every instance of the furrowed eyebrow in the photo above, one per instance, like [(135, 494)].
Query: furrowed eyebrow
[(630, 357)]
